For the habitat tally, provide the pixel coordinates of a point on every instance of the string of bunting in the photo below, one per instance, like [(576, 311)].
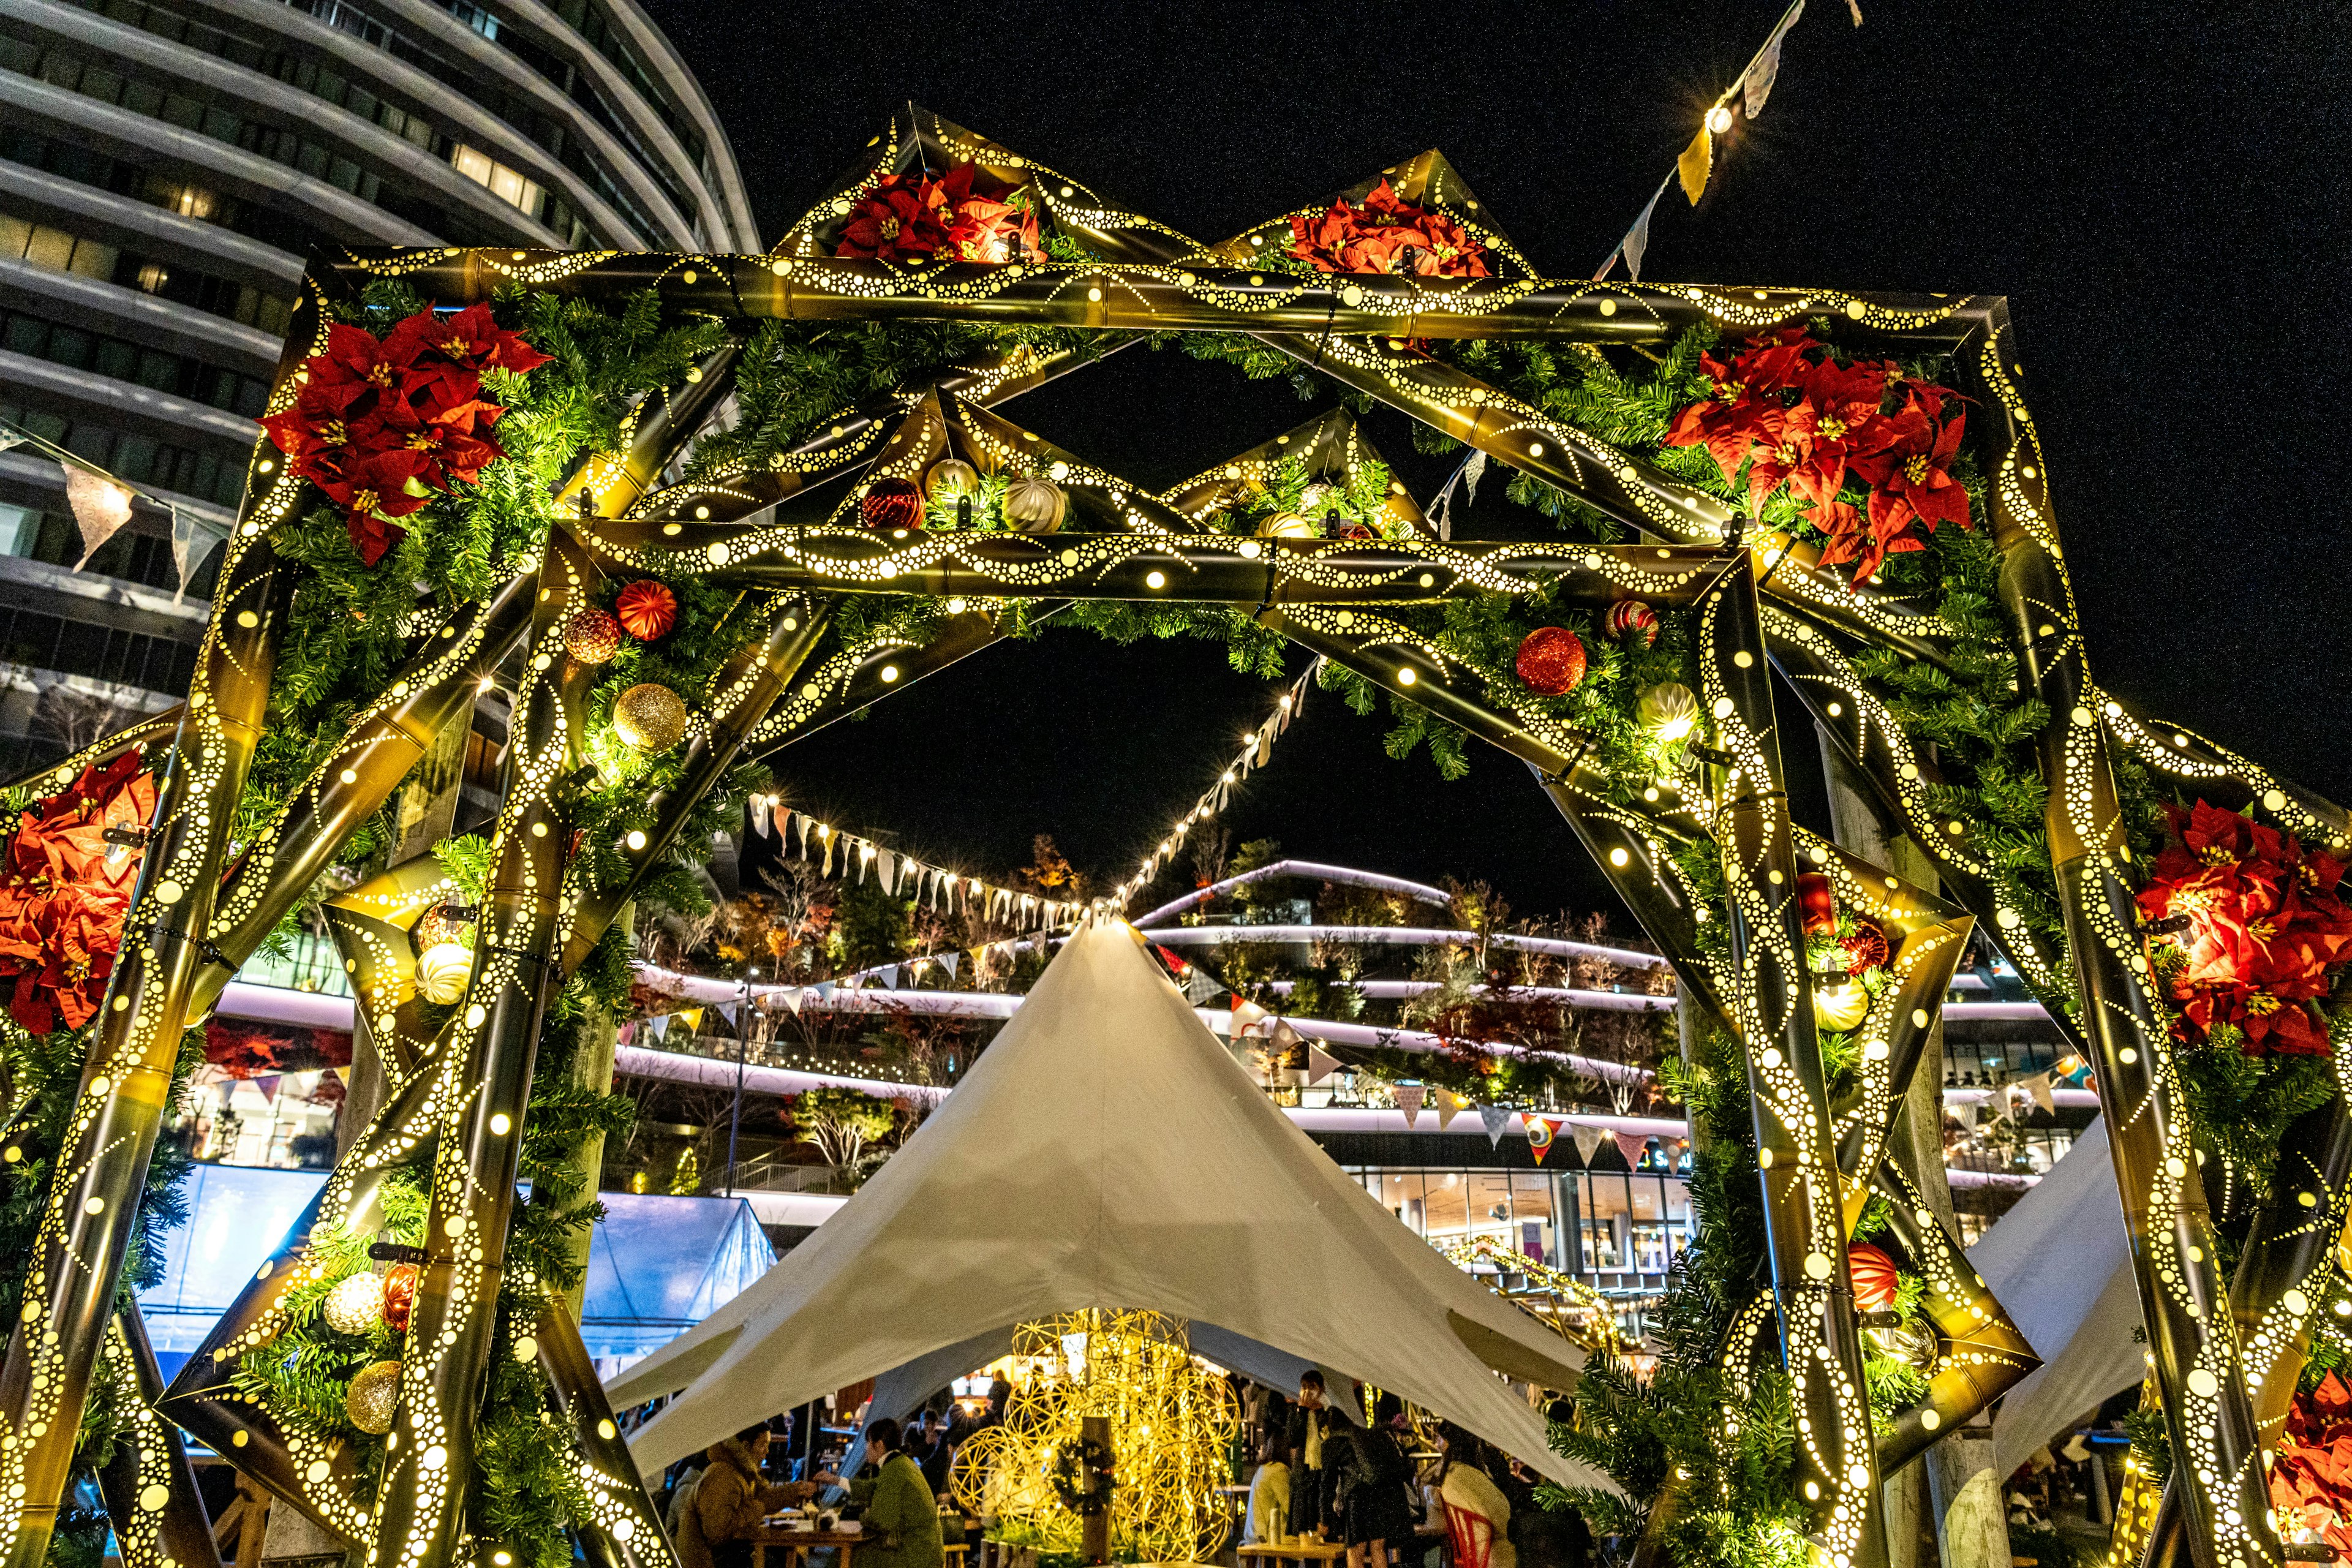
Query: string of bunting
[(101, 503), (1745, 98), (1257, 750), (935, 887)]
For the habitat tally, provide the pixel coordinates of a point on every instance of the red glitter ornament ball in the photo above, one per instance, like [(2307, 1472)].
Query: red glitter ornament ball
[(399, 1296), (1872, 1273), (1551, 660), (647, 609), (892, 503), (1865, 949), (1817, 902), (1628, 617)]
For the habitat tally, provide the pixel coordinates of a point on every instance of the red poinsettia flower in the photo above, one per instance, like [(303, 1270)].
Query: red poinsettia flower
[(470, 337), (451, 443), (1387, 234), (1909, 474), (904, 215), (2311, 1474), (375, 490), (2267, 931), (66, 892)]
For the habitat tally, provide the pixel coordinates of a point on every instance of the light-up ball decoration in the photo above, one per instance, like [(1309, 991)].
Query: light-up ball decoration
[(890, 503), (592, 637), (649, 718), (1841, 1008), (442, 971), (1551, 660), (1631, 618), (1669, 710), (373, 1397), (355, 1306), (949, 481), (647, 609), (1035, 506)]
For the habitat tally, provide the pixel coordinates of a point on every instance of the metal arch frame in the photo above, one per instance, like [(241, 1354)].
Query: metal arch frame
[(1360, 331)]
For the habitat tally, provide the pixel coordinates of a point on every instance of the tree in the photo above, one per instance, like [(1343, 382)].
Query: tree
[(842, 1122), (1049, 871)]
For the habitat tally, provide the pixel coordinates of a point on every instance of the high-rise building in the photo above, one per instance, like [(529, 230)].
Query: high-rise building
[(166, 168)]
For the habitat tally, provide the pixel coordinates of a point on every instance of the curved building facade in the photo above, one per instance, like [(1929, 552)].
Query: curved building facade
[(164, 171)]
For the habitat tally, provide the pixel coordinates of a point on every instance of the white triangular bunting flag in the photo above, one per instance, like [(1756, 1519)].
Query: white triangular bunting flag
[(1587, 1139), (890, 976), (1637, 238), (659, 1025), (2038, 1087), (1408, 1097), (1494, 1119), (1321, 1064), (727, 1011), (886, 865), (1248, 1016), (951, 960), (1756, 86), (793, 999), (1449, 1106)]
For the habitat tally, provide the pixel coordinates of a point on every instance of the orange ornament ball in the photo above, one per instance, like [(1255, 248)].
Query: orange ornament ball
[(647, 610), (1872, 1273), (1551, 660)]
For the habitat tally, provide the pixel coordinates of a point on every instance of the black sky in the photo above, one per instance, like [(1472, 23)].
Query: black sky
[(2159, 190)]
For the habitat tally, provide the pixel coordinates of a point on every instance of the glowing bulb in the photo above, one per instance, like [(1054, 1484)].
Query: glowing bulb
[(1156, 580), (889, 673), (1405, 675), (1719, 118), (486, 684), (1675, 729), (636, 839)]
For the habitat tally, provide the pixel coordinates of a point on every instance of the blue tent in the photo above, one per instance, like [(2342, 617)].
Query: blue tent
[(656, 1266)]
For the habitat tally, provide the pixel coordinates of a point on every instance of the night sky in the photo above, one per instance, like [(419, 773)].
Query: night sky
[(2158, 189)]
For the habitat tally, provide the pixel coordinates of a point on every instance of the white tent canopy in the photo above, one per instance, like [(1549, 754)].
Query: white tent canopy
[(1106, 1152), (2060, 1264)]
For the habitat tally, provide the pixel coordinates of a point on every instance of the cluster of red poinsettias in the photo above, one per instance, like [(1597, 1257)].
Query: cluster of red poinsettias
[(1387, 234), (909, 215), (383, 426), (66, 892), (2267, 929), (1784, 408), (2311, 1479)]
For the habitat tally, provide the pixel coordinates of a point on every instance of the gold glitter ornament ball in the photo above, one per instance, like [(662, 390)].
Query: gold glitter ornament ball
[(355, 1306), (371, 1399), (649, 718), (592, 637), (442, 971), (949, 479)]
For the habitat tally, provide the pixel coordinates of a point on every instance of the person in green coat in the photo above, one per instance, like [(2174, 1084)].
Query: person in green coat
[(901, 1516)]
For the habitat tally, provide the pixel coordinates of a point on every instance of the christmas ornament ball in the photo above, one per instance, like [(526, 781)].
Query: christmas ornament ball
[(1872, 1273), (355, 1305), (1817, 902), (649, 717), (441, 971), (1035, 506), (399, 1296), (949, 481), (647, 609), (891, 502), (592, 637), (1865, 949), (1669, 709), (371, 1397), (1287, 525), (1631, 617), (444, 924), (1839, 1007), (1551, 660)]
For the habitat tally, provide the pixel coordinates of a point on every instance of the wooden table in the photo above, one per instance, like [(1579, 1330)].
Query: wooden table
[(799, 1544), (1301, 1553)]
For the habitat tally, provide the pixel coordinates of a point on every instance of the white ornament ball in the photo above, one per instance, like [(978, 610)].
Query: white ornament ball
[(442, 971), (355, 1306)]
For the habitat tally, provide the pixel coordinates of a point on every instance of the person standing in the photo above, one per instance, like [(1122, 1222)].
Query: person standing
[(1312, 1427), (1375, 1487), (902, 1517)]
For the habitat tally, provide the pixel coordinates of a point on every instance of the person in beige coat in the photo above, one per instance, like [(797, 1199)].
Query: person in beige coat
[(1466, 1488), (730, 1498)]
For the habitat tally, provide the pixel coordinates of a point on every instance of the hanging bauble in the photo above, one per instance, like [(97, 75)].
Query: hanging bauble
[(1817, 902), (592, 637), (373, 1395), (1872, 1273), (1670, 711), (1551, 660), (650, 718), (442, 971), (647, 609), (399, 1296), (1914, 1345), (1841, 1008), (1035, 506), (1319, 498), (355, 1306), (949, 481), (892, 503), (444, 924), (1287, 525), (1631, 617), (1865, 949)]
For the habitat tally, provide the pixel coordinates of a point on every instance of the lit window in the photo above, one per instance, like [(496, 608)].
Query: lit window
[(509, 185)]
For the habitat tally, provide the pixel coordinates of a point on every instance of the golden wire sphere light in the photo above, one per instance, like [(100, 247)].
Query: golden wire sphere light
[(1172, 1422)]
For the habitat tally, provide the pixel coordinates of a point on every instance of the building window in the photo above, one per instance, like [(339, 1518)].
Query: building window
[(508, 185)]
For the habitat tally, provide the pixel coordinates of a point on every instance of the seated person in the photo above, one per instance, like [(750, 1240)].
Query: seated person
[(901, 1516), (729, 1500), (1268, 1518), (1466, 1487)]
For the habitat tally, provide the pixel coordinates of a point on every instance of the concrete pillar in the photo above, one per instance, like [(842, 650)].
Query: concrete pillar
[(1972, 1526)]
